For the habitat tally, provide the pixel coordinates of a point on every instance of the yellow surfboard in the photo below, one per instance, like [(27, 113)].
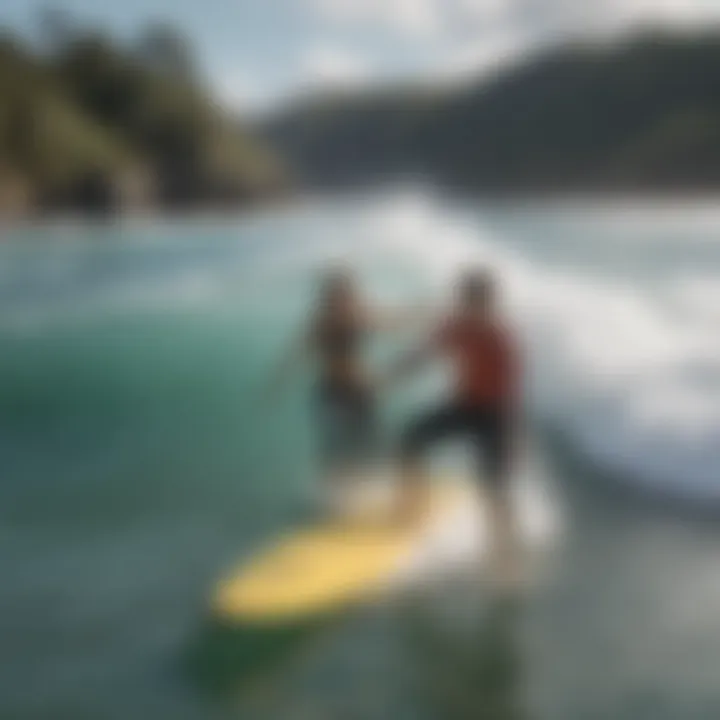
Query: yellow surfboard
[(320, 569)]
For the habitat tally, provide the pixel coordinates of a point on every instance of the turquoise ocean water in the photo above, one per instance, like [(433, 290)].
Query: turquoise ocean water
[(138, 466)]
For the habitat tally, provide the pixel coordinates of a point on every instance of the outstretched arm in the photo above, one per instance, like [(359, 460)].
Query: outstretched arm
[(411, 362), (392, 320)]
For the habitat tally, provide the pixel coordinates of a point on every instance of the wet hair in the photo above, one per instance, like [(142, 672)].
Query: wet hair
[(477, 287), (334, 283)]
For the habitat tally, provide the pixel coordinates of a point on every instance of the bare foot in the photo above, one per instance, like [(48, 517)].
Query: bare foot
[(411, 506)]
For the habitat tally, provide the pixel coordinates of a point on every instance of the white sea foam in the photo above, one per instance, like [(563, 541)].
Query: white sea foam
[(629, 370), (627, 367)]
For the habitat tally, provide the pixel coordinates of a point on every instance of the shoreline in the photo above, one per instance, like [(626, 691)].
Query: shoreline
[(131, 217), (589, 200)]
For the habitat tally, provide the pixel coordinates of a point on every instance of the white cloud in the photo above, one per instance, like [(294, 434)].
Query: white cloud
[(236, 92), (478, 12), (240, 93), (455, 40), (335, 67), (467, 62), (428, 18), (497, 31), (408, 17), (630, 13)]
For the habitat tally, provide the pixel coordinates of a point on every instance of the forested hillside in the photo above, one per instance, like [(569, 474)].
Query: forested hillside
[(643, 114), (88, 123)]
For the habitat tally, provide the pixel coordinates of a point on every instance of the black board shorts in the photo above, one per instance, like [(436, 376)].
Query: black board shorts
[(347, 425), (488, 428)]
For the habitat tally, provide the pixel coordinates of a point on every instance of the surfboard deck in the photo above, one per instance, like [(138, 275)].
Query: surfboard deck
[(322, 568)]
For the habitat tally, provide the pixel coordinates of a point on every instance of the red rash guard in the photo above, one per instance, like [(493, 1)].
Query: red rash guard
[(485, 362)]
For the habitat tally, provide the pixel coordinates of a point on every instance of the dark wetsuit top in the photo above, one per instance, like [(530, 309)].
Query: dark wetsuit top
[(339, 341)]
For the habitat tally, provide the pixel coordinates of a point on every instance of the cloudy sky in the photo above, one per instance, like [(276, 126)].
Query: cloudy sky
[(258, 53)]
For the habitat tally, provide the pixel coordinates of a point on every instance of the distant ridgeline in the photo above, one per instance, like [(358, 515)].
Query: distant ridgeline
[(642, 114), (92, 126)]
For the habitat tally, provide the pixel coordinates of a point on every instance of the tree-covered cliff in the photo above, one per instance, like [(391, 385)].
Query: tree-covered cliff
[(88, 123)]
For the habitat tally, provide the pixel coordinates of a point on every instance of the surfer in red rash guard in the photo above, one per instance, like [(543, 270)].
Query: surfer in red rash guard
[(483, 406)]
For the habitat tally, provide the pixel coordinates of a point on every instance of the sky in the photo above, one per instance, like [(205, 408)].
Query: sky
[(258, 54)]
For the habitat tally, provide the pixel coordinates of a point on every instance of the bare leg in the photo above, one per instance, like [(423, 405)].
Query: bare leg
[(334, 491), (504, 542), (413, 493), (414, 496)]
